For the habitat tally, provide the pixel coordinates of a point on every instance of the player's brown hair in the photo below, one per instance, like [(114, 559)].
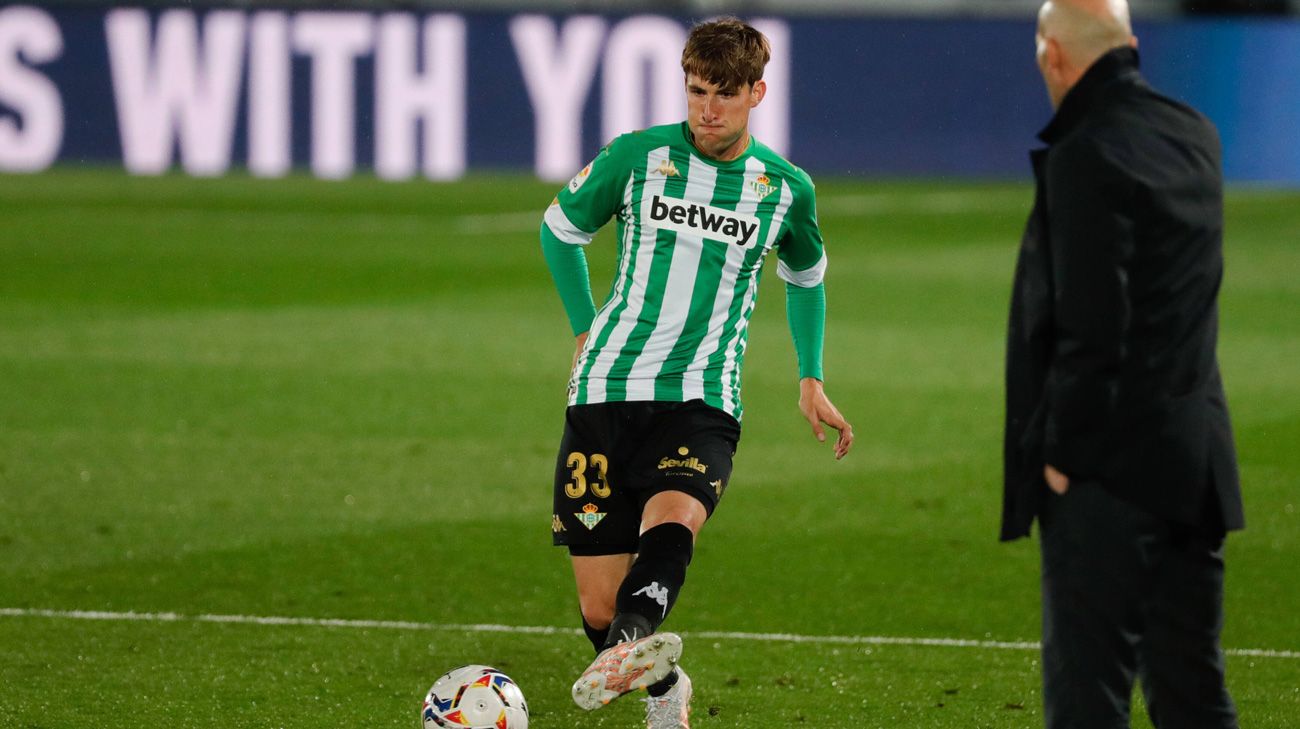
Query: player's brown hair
[(728, 52)]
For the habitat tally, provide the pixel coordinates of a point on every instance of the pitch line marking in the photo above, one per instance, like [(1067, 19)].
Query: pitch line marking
[(551, 630)]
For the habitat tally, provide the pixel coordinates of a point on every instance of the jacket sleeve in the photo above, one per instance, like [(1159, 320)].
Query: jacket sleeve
[(1091, 232)]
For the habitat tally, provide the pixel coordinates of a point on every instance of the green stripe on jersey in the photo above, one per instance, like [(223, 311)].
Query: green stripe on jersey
[(693, 235), (628, 374)]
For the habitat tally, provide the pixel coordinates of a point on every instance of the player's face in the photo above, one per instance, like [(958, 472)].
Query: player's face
[(719, 118)]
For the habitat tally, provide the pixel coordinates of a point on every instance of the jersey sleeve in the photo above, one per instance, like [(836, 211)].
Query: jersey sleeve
[(568, 265), (592, 197), (805, 310), (801, 255)]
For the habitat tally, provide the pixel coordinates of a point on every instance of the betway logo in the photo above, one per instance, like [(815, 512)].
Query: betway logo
[(703, 220)]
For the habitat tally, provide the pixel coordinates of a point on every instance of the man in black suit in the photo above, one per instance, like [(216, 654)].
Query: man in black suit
[(1117, 432)]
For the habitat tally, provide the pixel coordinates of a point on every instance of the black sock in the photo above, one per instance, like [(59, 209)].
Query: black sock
[(661, 688), (597, 636), (626, 628), (651, 586)]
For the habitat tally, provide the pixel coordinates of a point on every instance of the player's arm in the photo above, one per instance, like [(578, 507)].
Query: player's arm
[(802, 265), (579, 210), (806, 311), (568, 265)]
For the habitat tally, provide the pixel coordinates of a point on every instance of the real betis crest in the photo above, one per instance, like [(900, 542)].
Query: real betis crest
[(762, 186), (590, 516)]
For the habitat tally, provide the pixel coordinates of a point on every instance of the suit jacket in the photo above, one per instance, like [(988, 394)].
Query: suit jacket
[(1111, 370)]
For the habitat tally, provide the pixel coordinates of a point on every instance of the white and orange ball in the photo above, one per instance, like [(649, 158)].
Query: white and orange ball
[(474, 697)]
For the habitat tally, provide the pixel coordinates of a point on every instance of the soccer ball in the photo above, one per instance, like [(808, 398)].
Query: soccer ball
[(474, 697)]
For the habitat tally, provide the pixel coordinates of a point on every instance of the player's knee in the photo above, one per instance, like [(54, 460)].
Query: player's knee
[(674, 507), (689, 519), (597, 610)]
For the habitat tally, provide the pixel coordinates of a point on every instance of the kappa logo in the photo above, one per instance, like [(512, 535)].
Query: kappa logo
[(762, 186), (718, 486), (656, 593), (590, 516), (667, 169), (692, 463), (557, 526), (705, 221)]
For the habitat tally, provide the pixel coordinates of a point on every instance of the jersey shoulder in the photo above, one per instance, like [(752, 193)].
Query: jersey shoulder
[(800, 182)]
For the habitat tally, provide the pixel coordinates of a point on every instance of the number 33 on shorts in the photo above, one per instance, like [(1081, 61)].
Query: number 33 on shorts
[(587, 472)]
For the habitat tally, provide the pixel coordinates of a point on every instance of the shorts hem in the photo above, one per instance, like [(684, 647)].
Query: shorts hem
[(710, 504)]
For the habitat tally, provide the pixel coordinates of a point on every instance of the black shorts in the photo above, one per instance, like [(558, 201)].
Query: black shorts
[(615, 456)]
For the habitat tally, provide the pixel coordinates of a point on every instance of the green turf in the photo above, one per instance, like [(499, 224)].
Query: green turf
[(342, 400)]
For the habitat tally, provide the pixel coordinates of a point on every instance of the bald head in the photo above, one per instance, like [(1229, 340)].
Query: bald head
[(1073, 34)]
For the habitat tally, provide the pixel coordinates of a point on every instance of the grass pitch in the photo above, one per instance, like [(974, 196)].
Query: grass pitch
[(342, 400)]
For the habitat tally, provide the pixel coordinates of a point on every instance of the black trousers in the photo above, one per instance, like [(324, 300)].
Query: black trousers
[(1127, 595)]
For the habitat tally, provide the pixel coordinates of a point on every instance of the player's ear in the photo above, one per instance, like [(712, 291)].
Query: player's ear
[(757, 92)]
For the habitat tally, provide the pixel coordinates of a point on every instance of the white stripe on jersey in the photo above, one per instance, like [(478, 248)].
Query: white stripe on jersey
[(564, 229), (807, 278), (682, 272), (635, 296), (693, 380), (731, 390)]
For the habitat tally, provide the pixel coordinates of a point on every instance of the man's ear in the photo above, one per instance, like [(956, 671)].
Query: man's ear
[(1053, 58), (757, 93)]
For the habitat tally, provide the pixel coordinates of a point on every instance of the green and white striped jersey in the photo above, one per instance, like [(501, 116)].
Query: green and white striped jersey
[(692, 237)]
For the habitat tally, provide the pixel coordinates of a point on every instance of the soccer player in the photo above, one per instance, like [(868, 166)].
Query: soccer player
[(654, 396)]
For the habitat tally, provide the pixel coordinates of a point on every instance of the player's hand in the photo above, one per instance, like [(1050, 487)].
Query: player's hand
[(1056, 481), (818, 409), (577, 352)]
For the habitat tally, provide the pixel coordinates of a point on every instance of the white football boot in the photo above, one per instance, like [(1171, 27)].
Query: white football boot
[(627, 667), (673, 709)]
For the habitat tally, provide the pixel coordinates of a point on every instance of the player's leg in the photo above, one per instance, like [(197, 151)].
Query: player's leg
[(670, 522), (597, 578), (597, 517), (666, 514), (685, 462), (635, 602), (594, 515), (671, 707)]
